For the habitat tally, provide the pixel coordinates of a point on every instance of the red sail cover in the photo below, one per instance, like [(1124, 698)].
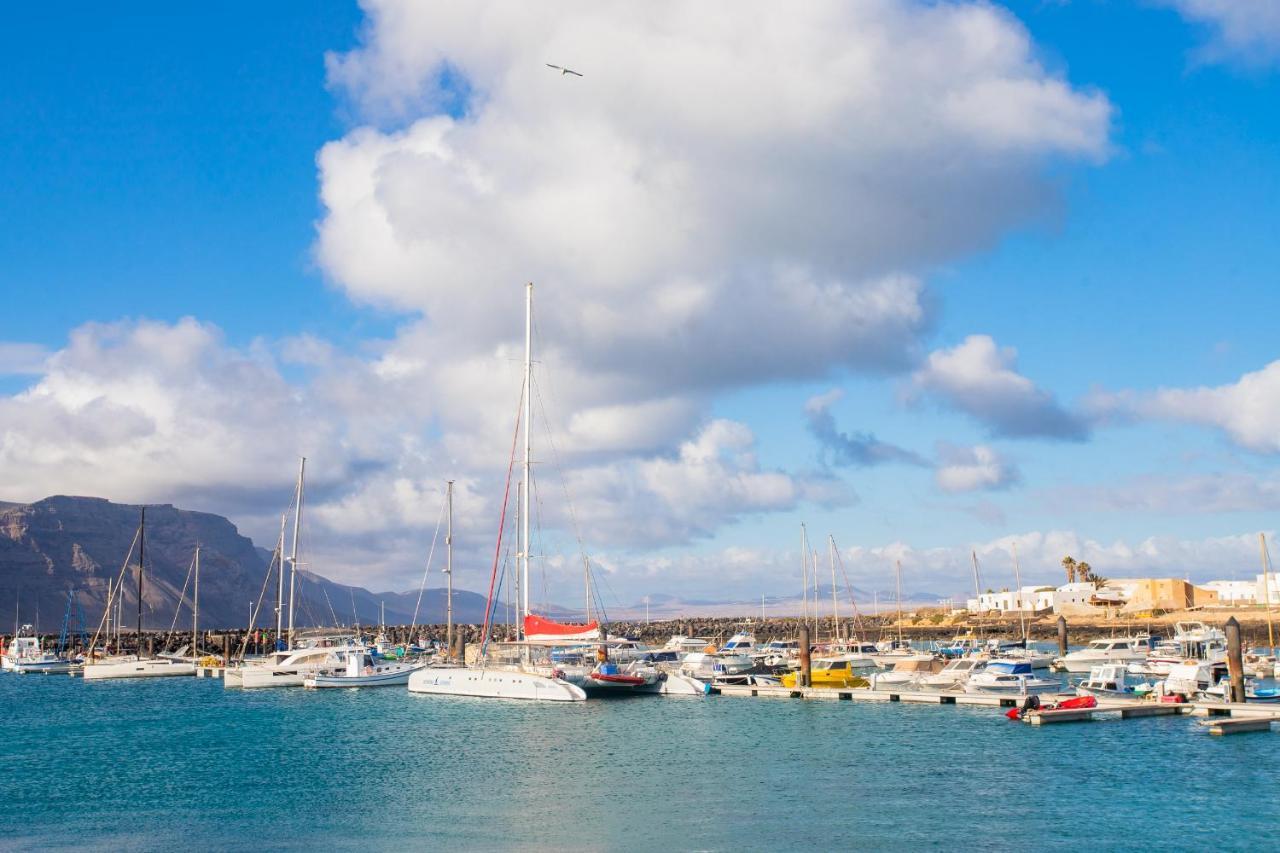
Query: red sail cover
[(537, 629)]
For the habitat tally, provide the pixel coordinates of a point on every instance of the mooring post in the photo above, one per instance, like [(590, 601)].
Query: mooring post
[(226, 650), (1235, 663), (806, 664), (1062, 636)]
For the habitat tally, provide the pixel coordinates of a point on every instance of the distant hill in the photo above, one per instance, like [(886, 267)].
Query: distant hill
[(67, 543)]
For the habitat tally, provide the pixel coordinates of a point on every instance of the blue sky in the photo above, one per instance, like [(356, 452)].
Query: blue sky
[(160, 164)]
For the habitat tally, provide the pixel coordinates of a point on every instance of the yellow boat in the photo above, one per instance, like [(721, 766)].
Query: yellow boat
[(835, 671)]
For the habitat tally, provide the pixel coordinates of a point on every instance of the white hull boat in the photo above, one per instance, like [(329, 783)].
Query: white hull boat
[(493, 683), (1123, 650), (1008, 676), (363, 671), (679, 684), (132, 667)]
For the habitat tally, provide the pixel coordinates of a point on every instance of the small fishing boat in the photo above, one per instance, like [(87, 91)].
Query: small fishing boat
[(1032, 706), (363, 670), (835, 671), (1004, 675), (1112, 680), (25, 656)]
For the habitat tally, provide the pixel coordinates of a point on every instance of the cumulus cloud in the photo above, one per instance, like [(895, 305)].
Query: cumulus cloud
[(1247, 410), (859, 449), (715, 203), (1246, 31), (971, 469), (980, 379)]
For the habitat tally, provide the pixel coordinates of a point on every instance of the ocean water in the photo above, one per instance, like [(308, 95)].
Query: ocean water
[(183, 764)]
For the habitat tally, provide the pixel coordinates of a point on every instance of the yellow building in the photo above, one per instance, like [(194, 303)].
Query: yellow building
[(1148, 594)]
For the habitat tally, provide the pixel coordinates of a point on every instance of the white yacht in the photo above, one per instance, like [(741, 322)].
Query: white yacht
[(907, 673), (135, 666), (1124, 650), (325, 654), (1004, 675), (1192, 641), (741, 643), (954, 676), (24, 655), (704, 665), (362, 670)]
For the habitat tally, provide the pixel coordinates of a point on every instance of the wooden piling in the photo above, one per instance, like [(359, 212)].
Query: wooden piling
[(1062, 636), (806, 663), (1235, 662)]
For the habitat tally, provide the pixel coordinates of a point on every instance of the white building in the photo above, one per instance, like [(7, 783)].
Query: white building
[(1028, 600), (1267, 593), (1237, 593), (1084, 597)]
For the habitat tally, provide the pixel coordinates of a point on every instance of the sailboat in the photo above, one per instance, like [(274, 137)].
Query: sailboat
[(518, 679), (302, 654), (135, 665)]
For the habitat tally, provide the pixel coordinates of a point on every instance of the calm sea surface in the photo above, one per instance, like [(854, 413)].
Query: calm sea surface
[(182, 763)]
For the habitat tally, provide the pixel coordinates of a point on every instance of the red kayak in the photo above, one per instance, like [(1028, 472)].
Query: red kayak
[(1033, 704)]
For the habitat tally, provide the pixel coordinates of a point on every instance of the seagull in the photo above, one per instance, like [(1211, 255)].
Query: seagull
[(564, 71)]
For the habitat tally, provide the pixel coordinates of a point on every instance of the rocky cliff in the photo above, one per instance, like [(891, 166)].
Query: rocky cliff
[(73, 545)]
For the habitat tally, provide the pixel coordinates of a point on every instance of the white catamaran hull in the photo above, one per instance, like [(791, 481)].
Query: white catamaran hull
[(155, 668), (493, 684)]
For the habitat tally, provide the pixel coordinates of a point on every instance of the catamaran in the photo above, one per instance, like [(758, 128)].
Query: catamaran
[(516, 677)]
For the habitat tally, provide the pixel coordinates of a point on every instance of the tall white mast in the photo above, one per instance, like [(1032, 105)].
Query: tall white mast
[(448, 572), (835, 602), (293, 560), (528, 449)]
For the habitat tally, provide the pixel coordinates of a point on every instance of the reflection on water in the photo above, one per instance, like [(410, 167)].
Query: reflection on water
[(184, 763)]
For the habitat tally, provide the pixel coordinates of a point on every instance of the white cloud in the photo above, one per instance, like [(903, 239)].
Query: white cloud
[(1245, 31), (726, 197), (17, 359), (971, 469), (1247, 410), (981, 380)]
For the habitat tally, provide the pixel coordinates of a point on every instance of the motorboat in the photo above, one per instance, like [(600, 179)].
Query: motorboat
[(907, 672), (1124, 650), (740, 643), (711, 662), (954, 675), (746, 679), (365, 670), (776, 654), (686, 645), (1112, 680), (323, 654), (1192, 641), (835, 671), (24, 655), (1004, 675)]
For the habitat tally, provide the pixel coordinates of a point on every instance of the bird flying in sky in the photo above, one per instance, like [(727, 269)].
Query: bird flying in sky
[(564, 71)]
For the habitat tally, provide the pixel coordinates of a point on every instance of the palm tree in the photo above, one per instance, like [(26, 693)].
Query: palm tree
[(1086, 574), (1069, 563)]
